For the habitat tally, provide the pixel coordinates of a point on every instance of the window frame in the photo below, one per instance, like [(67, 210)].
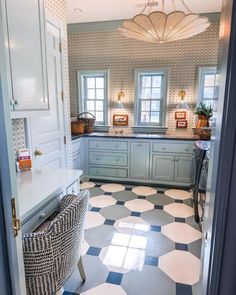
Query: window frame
[(203, 70), (81, 92), (163, 108)]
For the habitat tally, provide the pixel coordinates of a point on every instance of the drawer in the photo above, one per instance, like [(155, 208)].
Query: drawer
[(172, 147), (75, 148), (112, 145), (31, 223), (73, 189), (108, 159), (108, 172)]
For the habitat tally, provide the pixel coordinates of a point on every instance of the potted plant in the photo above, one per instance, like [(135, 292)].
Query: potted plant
[(204, 113)]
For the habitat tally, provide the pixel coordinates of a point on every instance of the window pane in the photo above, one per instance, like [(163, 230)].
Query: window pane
[(155, 106), (90, 105), (100, 82), (145, 105), (99, 116), (100, 93), (210, 80), (146, 93), (146, 81), (156, 81), (208, 92), (90, 82), (91, 93), (155, 117), (99, 105), (145, 117), (156, 92), (209, 102)]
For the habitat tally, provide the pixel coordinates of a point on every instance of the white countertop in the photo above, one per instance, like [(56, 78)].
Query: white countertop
[(37, 186)]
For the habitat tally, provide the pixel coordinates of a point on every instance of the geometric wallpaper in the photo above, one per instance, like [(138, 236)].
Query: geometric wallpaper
[(107, 49)]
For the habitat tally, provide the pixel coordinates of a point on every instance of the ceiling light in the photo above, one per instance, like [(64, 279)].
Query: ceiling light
[(78, 10), (160, 27)]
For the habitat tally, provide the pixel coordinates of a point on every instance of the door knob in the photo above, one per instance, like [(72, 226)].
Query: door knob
[(38, 153)]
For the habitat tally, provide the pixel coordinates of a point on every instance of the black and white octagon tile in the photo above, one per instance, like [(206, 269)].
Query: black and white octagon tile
[(138, 239)]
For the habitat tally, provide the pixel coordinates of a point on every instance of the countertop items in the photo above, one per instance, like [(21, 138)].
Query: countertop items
[(37, 187), (136, 136), (203, 145)]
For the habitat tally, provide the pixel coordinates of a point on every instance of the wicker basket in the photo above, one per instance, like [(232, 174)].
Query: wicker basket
[(88, 122), (77, 127)]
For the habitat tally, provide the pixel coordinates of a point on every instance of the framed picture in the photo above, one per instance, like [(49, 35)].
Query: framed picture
[(120, 120), (181, 124), (180, 115)]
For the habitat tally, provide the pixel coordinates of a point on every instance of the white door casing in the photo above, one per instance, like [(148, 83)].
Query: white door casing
[(47, 131)]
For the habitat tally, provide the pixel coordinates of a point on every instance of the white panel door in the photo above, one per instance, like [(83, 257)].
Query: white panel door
[(47, 131)]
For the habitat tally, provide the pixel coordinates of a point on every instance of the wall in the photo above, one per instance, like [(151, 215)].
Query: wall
[(56, 8), (105, 48)]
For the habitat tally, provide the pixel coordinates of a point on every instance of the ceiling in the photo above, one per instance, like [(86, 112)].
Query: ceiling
[(105, 10)]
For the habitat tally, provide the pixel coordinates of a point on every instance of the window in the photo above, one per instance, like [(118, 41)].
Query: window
[(151, 92), (93, 94), (208, 88)]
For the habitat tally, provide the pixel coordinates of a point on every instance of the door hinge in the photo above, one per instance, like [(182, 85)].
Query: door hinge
[(15, 220), (60, 47), (64, 139), (62, 95)]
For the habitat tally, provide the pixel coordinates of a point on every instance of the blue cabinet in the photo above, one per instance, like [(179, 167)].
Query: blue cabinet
[(163, 167), (27, 52), (182, 168), (139, 160)]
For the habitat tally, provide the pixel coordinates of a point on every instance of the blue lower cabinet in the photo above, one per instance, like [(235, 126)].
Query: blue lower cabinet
[(182, 168), (163, 167), (140, 160)]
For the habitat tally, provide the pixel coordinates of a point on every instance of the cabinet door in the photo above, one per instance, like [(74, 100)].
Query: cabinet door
[(27, 54), (76, 163), (163, 167), (182, 169), (139, 160)]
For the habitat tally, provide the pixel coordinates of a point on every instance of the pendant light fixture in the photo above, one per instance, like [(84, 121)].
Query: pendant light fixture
[(160, 27)]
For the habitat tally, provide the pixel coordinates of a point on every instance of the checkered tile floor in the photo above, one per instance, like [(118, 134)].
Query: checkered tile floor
[(138, 240)]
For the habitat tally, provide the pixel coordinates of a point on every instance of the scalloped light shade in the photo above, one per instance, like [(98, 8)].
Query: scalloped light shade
[(159, 27)]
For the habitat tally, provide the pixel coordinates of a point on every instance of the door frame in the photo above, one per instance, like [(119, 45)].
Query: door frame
[(50, 18), (219, 275)]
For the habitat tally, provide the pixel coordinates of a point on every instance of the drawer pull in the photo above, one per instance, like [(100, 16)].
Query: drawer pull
[(163, 148), (187, 148), (117, 160), (42, 215), (97, 159), (97, 172)]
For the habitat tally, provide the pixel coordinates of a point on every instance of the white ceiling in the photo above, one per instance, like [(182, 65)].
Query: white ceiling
[(105, 10)]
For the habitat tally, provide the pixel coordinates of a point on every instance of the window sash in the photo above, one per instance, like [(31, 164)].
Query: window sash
[(85, 99), (139, 98)]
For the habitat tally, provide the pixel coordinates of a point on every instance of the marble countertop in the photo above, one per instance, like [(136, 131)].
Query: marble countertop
[(37, 186), (203, 145), (136, 135)]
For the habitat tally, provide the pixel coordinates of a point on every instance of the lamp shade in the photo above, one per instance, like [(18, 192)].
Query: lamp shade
[(183, 103)]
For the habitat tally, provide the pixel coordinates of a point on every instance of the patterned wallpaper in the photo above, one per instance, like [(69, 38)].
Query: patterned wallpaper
[(107, 49), (56, 8)]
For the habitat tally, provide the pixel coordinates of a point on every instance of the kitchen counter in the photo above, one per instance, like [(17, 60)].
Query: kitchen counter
[(37, 187), (136, 136), (203, 145)]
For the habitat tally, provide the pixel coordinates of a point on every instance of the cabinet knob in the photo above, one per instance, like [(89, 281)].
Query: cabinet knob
[(163, 148), (73, 191), (117, 160), (15, 102), (97, 158), (187, 148), (38, 153), (42, 215), (12, 102)]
